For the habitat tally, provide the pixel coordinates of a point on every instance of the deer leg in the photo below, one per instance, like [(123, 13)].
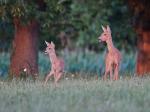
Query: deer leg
[(47, 77), (111, 71), (55, 76), (116, 73), (106, 73), (58, 76), (107, 69)]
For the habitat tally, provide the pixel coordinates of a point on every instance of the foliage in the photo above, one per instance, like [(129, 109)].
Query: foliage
[(29, 10), (90, 15), (45, 12), (126, 95), (82, 19)]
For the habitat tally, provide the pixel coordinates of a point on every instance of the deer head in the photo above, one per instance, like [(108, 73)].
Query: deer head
[(50, 49), (106, 35)]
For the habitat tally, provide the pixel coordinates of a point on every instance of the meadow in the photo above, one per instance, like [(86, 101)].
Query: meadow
[(78, 95), (79, 90)]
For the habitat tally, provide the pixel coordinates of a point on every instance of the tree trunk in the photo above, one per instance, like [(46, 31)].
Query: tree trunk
[(24, 55), (141, 15), (143, 57)]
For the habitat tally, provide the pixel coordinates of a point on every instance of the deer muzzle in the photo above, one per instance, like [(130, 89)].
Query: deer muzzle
[(45, 52)]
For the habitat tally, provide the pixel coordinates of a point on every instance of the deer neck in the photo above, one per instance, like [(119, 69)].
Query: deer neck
[(110, 45), (53, 57)]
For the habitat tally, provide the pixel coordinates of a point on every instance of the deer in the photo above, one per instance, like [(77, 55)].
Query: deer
[(113, 55), (57, 64)]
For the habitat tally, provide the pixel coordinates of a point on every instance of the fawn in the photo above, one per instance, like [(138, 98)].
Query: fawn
[(113, 56), (57, 65)]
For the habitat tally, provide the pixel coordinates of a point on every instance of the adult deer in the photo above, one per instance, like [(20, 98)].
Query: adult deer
[(113, 56)]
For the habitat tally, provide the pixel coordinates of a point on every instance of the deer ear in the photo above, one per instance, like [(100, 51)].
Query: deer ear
[(47, 43), (103, 28), (108, 29), (52, 44)]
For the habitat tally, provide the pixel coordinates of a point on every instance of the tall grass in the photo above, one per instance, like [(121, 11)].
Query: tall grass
[(76, 96), (88, 62), (4, 63), (76, 61)]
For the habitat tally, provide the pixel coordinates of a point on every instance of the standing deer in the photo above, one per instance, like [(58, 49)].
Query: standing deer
[(57, 65), (113, 56)]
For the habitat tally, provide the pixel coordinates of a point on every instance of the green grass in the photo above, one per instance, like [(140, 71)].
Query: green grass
[(80, 95), (75, 61), (87, 62), (76, 92)]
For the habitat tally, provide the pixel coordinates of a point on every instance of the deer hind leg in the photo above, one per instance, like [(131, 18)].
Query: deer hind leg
[(58, 76), (48, 76), (116, 72)]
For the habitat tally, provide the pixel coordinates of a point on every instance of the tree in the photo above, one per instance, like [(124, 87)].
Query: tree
[(140, 9), (27, 17), (89, 15)]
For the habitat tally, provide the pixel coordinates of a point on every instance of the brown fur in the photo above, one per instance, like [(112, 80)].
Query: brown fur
[(57, 64), (113, 56)]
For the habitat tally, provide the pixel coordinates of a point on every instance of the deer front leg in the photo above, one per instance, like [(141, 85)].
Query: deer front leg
[(48, 76), (111, 71), (105, 75), (116, 72), (107, 69)]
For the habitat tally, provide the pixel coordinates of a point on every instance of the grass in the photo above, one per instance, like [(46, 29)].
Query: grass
[(75, 61), (77, 92), (78, 95), (87, 62)]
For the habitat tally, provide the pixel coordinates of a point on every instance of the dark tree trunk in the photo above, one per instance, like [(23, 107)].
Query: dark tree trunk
[(143, 57), (141, 22), (25, 49)]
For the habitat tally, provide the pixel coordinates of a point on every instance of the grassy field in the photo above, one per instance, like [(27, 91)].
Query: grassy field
[(79, 95), (78, 91)]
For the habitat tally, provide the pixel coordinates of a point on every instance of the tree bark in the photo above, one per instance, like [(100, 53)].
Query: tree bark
[(143, 57), (141, 22), (24, 55)]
